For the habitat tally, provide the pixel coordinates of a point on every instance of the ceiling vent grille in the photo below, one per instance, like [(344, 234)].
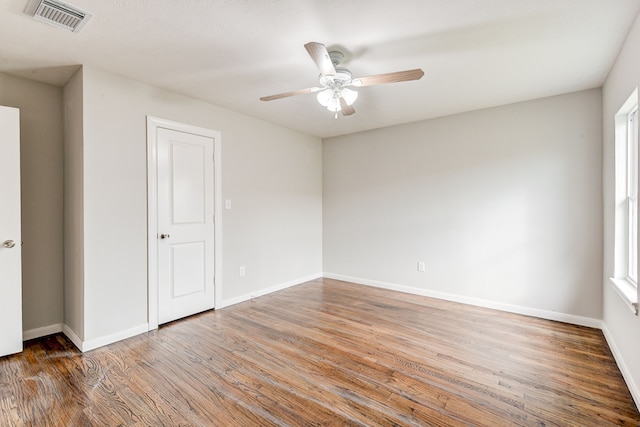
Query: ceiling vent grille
[(58, 14)]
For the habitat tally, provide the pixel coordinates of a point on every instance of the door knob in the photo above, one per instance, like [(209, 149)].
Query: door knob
[(165, 236), (8, 244)]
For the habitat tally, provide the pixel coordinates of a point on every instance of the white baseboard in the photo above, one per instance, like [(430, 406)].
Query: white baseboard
[(89, 345), (75, 339), (41, 332), (266, 291), (118, 336), (634, 388), (511, 308)]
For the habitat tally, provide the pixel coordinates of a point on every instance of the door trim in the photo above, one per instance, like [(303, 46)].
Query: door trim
[(153, 124)]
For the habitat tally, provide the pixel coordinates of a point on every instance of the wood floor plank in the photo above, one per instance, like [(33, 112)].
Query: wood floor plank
[(326, 353)]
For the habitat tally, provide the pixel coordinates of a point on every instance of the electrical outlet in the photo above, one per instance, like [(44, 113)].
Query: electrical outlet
[(421, 266), (243, 271)]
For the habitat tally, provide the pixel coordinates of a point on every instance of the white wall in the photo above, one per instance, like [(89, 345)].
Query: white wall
[(503, 205), (622, 328), (41, 151), (272, 176)]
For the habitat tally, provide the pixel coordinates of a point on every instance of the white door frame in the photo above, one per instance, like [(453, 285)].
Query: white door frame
[(153, 124)]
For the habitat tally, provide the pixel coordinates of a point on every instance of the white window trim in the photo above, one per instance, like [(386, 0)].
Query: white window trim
[(625, 190), (627, 291), (632, 194)]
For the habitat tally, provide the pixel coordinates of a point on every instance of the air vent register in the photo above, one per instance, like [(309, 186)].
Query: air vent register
[(59, 14)]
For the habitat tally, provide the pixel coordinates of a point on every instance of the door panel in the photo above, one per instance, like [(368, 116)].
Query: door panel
[(185, 224), (191, 277), (10, 234), (188, 184)]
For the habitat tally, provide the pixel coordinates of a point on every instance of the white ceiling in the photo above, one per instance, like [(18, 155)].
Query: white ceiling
[(475, 53)]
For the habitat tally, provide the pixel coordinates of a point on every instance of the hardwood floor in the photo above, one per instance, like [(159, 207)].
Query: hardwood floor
[(326, 353)]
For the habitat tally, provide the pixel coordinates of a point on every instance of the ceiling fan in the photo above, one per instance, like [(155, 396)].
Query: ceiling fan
[(334, 92)]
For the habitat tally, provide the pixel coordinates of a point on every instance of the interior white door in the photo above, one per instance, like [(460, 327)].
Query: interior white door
[(10, 233), (185, 224)]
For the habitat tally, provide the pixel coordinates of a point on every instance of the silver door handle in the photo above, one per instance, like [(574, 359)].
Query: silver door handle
[(8, 244), (165, 236)]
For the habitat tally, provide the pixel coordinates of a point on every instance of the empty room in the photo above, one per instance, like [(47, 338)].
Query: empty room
[(299, 213)]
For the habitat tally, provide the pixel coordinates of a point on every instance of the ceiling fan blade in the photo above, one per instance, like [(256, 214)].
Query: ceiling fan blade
[(320, 56), (399, 76), (293, 93), (347, 109)]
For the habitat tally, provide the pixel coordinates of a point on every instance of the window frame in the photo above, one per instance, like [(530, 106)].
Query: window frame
[(626, 170), (632, 197)]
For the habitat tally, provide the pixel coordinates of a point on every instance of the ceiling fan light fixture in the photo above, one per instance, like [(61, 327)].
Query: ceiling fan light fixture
[(349, 95), (330, 98), (325, 97), (334, 105)]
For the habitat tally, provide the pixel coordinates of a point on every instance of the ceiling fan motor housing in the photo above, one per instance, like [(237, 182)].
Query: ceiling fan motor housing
[(336, 57), (341, 78)]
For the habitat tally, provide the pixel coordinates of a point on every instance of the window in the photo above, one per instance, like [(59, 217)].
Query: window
[(625, 277), (632, 196)]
